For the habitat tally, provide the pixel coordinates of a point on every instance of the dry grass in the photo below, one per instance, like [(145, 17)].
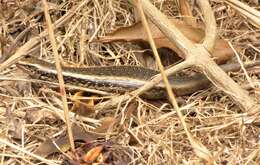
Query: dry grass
[(144, 132)]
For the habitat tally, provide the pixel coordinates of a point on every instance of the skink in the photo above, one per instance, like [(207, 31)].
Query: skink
[(119, 79)]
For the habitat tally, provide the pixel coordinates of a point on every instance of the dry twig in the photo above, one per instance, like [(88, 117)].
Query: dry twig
[(59, 71)]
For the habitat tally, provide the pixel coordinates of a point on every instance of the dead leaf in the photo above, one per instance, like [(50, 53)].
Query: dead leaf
[(48, 147), (93, 154), (34, 115), (82, 107), (222, 52), (15, 125), (16, 128), (107, 123), (99, 152), (131, 109)]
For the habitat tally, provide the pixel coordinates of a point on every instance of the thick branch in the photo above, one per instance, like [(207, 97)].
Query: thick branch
[(211, 27), (201, 58)]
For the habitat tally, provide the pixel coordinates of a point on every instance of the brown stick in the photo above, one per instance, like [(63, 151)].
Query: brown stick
[(200, 58), (50, 31), (197, 146)]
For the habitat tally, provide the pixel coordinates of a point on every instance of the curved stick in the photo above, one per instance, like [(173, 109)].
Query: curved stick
[(211, 27), (201, 59)]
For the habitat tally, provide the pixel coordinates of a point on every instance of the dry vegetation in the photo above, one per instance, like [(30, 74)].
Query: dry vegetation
[(136, 132)]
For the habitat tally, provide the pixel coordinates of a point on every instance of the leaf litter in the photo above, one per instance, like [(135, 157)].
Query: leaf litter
[(140, 131)]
